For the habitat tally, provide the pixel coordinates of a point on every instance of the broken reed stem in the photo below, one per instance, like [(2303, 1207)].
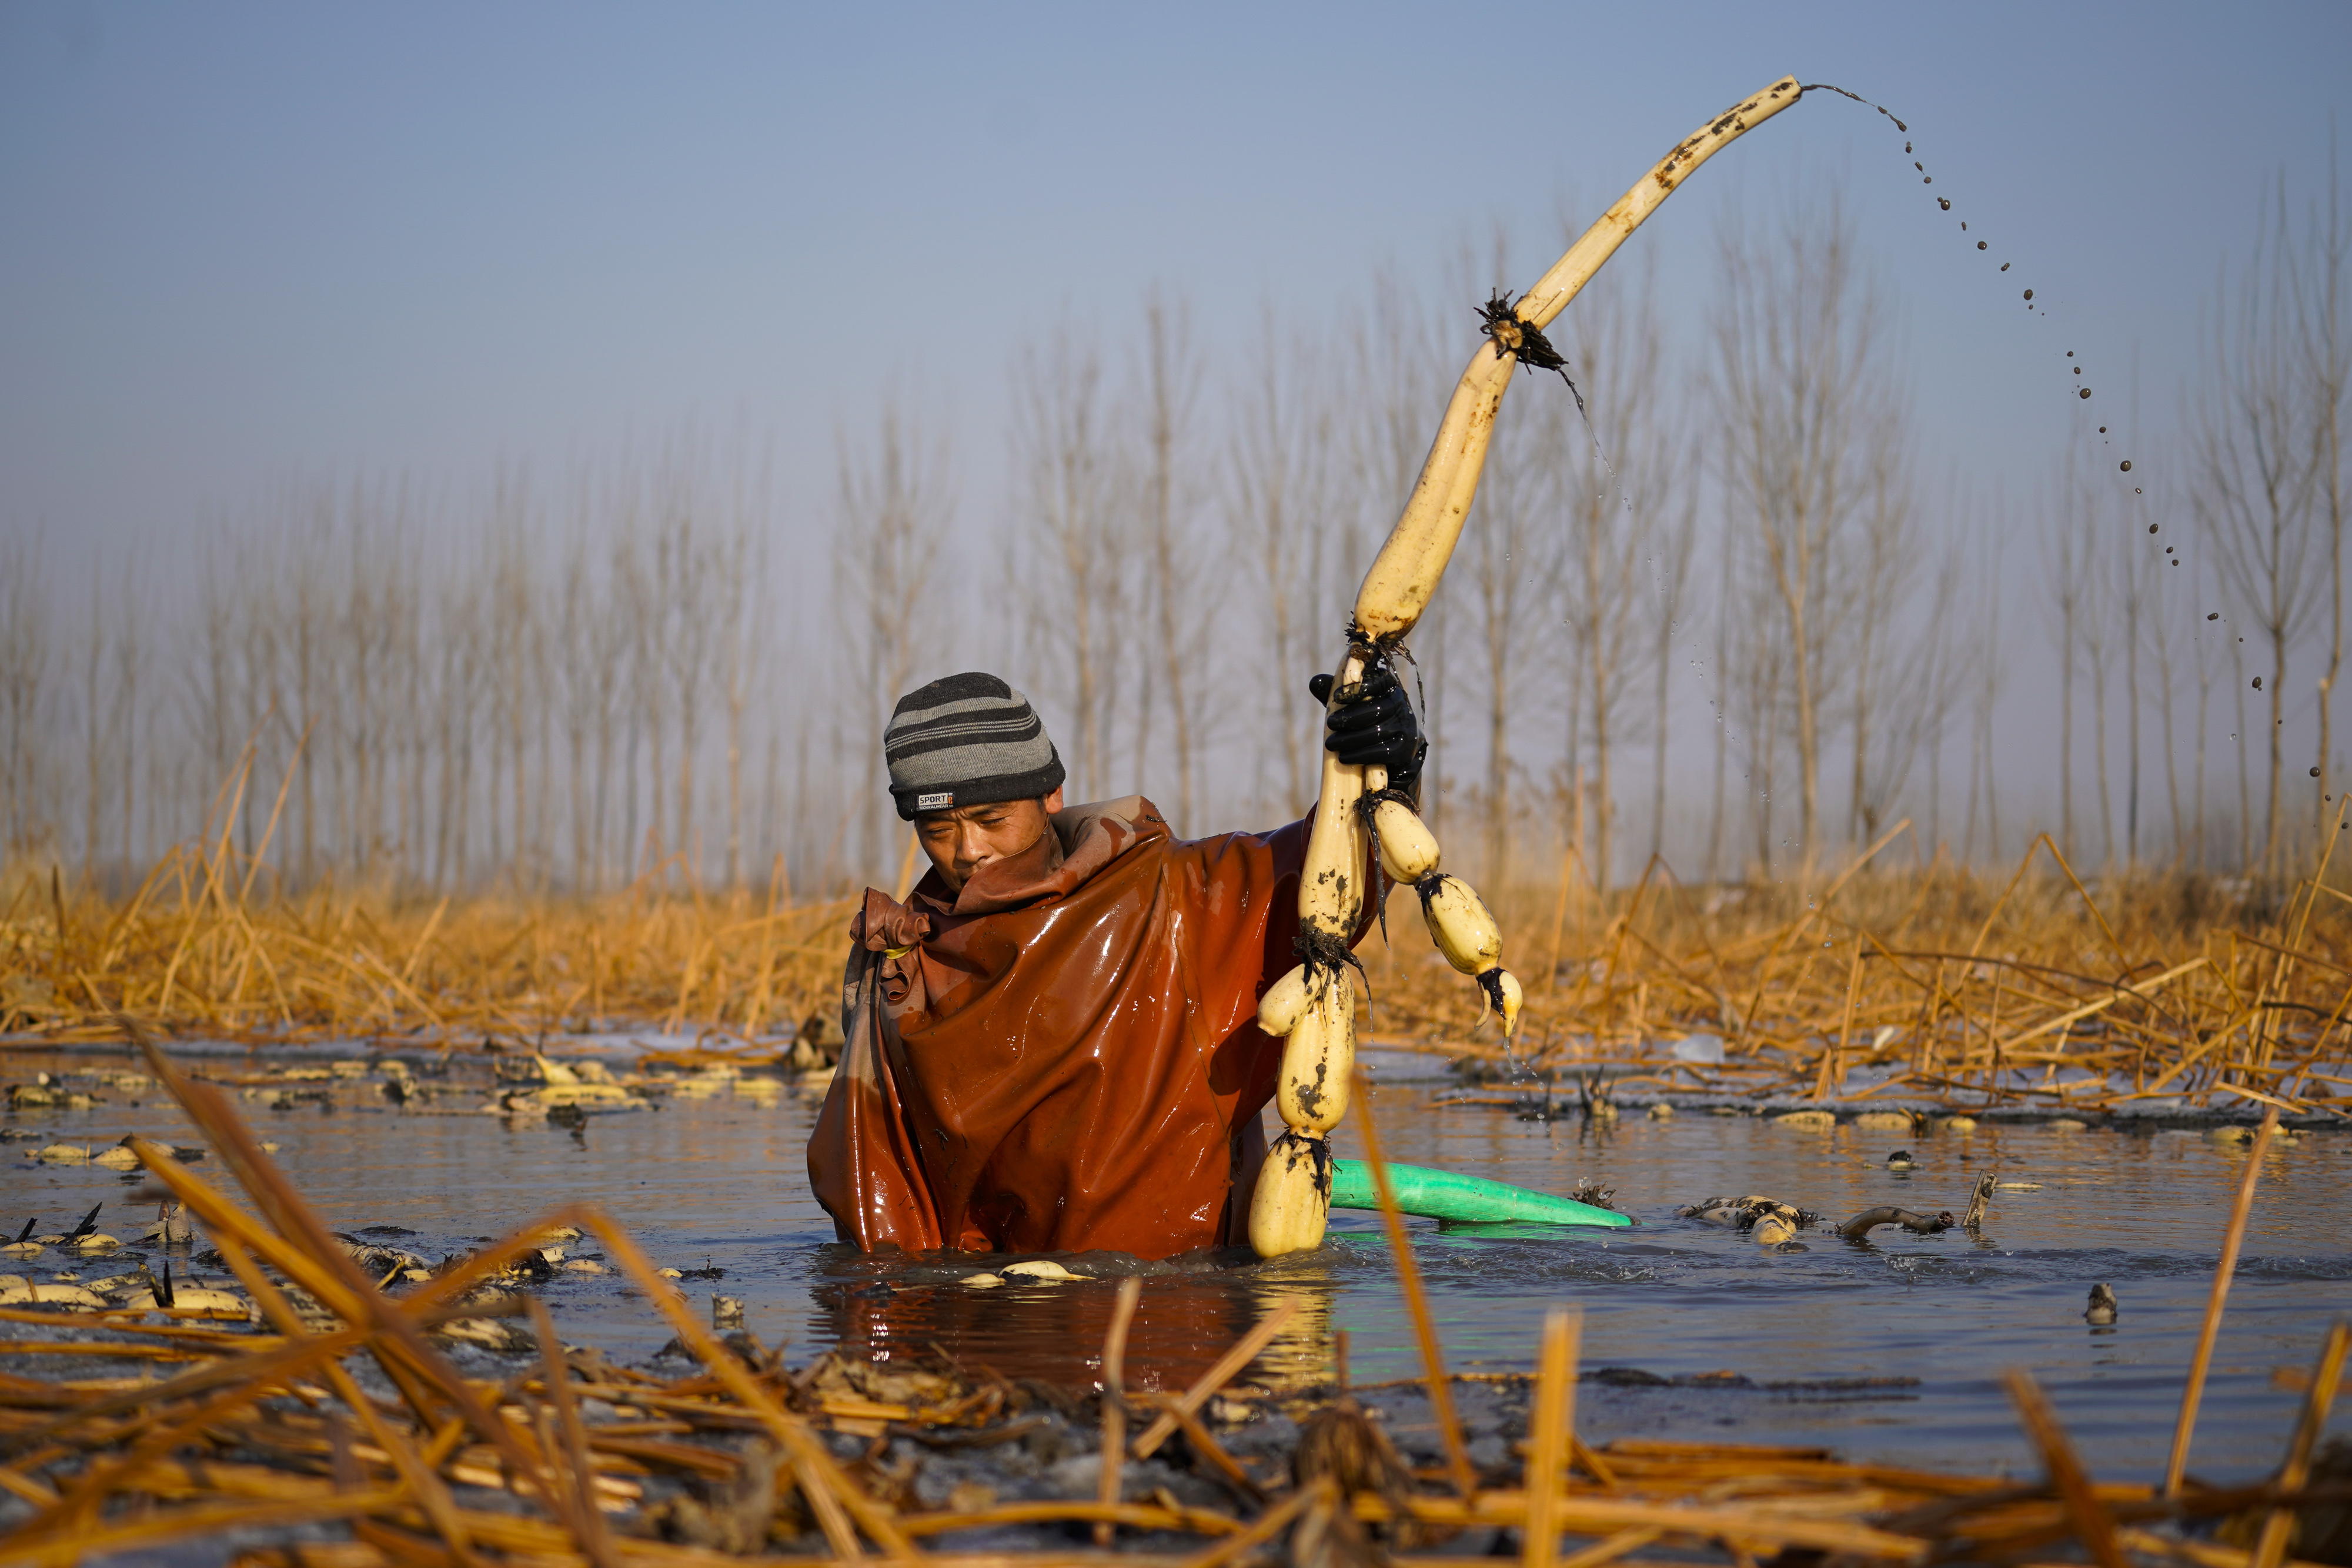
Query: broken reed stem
[(1547, 1444), (1228, 1366), (422, 1480), (829, 1491), (1114, 1401), (2094, 1526), (2232, 1240), (1205, 1446), (1624, 1543), (1832, 1060), (2271, 1546), (1441, 1392), (1269, 1524), (556, 1375)]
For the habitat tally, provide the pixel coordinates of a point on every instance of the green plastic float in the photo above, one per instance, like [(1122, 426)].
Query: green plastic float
[(1447, 1195)]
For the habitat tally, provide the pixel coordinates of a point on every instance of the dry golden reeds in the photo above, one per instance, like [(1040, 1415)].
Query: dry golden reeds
[(2034, 990)]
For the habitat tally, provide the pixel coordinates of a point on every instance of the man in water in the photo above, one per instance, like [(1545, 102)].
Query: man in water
[(1053, 1045)]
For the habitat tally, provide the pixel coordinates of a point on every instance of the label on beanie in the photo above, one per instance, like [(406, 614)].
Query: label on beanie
[(938, 802)]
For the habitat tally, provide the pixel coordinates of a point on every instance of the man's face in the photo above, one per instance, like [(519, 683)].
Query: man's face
[(962, 841)]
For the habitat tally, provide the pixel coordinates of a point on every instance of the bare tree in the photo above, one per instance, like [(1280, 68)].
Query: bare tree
[(2254, 475), (692, 560), (1174, 571), (1756, 691), (2066, 579), (1509, 569), (738, 634), (2083, 514), (2323, 337), (1619, 487), (1073, 576), (1399, 359), (1277, 474), (893, 502), (96, 730), (1719, 705), (2168, 601), (1896, 686), (1992, 665), (1672, 554), (1803, 395), (1916, 681), (129, 664)]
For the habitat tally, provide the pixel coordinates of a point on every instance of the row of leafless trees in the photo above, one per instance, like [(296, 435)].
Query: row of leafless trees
[(2247, 596), (1747, 512), (373, 681), (1708, 607)]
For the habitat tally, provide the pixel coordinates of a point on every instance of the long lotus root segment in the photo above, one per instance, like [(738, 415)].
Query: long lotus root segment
[(1404, 574), (1313, 1008)]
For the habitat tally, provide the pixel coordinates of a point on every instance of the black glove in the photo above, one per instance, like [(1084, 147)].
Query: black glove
[(1376, 726)]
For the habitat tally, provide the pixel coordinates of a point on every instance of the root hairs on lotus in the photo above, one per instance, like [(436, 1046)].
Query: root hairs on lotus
[(1513, 334), (1503, 996)]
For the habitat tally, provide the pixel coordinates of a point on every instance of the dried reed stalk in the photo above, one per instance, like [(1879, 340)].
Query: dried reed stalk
[(1424, 1328), (1114, 1400), (1227, 1367), (2232, 1238), (2296, 1470), (1547, 1444)]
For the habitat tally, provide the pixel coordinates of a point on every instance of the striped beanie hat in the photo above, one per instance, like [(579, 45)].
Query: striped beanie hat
[(967, 740)]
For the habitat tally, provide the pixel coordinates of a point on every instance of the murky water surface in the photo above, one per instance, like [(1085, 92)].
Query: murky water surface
[(1891, 1350)]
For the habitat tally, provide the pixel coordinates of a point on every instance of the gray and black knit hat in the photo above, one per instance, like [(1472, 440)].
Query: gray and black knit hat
[(967, 740)]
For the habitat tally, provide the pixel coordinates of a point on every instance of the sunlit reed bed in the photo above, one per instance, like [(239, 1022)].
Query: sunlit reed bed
[(1887, 980)]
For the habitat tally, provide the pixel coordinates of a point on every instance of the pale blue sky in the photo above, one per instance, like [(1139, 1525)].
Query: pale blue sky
[(241, 245), (245, 241)]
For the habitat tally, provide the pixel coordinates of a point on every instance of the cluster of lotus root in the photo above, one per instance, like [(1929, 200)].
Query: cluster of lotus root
[(1313, 1008)]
